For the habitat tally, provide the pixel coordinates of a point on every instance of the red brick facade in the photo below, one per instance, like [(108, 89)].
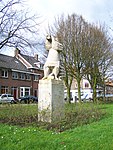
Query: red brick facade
[(24, 83)]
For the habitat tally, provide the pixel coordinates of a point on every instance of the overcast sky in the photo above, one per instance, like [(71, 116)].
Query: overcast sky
[(91, 10)]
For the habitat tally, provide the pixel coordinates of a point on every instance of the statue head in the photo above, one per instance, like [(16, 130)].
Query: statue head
[(48, 43), (49, 38)]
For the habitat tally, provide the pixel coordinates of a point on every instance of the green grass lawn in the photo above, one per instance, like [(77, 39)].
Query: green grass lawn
[(94, 136)]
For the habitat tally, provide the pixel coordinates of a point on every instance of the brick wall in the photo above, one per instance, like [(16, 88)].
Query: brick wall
[(10, 82)]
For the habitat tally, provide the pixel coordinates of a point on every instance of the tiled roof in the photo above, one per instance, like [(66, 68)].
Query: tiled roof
[(109, 83), (30, 59), (11, 63)]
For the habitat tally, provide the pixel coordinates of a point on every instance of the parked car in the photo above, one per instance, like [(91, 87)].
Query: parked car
[(86, 97), (7, 98), (28, 99), (106, 95)]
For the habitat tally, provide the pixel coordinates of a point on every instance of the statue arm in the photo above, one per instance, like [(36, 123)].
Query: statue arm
[(57, 46)]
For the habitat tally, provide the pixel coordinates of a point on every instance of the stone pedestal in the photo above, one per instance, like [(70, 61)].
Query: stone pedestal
[(50, 100)]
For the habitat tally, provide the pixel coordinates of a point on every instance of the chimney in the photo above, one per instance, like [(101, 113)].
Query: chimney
[(36, 57), (17, 51)]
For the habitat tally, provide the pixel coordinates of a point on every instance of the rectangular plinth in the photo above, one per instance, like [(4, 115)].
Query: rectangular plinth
[(51, 100)]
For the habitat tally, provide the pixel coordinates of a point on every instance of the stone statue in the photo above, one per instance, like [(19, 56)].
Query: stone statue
[(52, 64)]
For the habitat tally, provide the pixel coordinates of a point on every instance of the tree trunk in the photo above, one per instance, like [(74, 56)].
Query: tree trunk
[(68, 95), (79, 91), (94, 94), (104, 92), (94, 91), (68, 82)]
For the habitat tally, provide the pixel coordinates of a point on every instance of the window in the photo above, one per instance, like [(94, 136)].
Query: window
[(5, 73), (22, 76), (36, 77), (27, 91), (4, 89), (14, 75), (28, 77), (21, 92), (86, 85), (3, 96), (41, 66), (24, 91), (76, 85)]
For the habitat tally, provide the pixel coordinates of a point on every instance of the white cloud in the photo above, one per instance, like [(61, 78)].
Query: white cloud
[(89, 9)]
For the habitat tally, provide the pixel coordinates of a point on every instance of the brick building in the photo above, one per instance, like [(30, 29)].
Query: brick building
[(19, 75)]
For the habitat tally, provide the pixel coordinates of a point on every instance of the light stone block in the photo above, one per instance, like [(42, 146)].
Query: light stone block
[(50, 100)]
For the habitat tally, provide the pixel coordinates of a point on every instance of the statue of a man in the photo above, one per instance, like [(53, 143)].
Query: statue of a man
[(52, 64)]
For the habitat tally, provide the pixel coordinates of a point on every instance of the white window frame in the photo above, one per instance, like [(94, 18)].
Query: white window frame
[(23, 91), (22, 76), (28, 77), (14, 75), (36, 77), (5, 73)]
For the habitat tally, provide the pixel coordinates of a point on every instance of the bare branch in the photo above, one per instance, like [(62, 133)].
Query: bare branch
[(17, 25)]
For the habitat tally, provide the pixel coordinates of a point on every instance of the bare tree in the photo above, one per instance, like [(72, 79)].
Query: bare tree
[(17, 27), (60, 30), (70, 32), (99, 56), (87, 51)]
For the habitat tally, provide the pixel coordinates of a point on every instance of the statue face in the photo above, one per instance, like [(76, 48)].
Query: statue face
[(48, 43), (49, 38)]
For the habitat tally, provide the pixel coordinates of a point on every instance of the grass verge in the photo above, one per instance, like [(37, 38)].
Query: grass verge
[(92, 136), (27, 115)]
